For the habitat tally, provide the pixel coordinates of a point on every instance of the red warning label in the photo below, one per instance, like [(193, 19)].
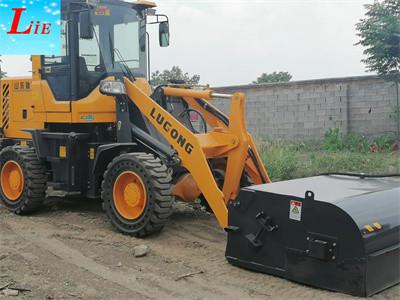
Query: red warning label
[(295, 210)]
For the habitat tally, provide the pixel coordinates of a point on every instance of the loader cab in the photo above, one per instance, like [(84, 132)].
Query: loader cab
[(99, 39)]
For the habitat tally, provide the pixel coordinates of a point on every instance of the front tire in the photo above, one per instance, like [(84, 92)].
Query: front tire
[(23, 179), (136, 193)]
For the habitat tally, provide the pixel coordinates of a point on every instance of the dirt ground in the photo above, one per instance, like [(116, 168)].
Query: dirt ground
[(69, 250)]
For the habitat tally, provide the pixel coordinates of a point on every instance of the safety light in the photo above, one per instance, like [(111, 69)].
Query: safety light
[(112, 88)]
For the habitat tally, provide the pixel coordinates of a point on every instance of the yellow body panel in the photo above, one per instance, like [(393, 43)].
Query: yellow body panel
[(30, 104), (18, 106), (95, 108), (41, 107)]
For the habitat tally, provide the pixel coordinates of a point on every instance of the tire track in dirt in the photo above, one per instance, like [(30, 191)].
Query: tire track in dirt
[(74, 257), (189, 243), (149, 285), (211, 259)]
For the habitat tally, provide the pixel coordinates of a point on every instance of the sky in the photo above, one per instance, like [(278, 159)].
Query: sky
[(232, 42), (46, 11)]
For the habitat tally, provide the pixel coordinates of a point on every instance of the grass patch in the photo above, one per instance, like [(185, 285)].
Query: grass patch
[(284, 160)]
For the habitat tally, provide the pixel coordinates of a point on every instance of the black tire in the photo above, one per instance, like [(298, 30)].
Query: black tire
[(35, 179), (157, 181)]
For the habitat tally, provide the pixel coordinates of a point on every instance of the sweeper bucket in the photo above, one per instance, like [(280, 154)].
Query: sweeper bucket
[(336, 232)]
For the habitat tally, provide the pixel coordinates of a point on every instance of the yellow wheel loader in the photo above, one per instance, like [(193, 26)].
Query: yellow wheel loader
[(88, 121)]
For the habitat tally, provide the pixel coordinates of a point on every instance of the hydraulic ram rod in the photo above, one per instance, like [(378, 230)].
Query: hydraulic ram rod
[(198, 94)]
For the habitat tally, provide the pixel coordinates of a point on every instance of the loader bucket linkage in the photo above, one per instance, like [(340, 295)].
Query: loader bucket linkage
[(228, 138)]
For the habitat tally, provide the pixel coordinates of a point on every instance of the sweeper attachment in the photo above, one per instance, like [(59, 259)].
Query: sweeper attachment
[(334, 232)]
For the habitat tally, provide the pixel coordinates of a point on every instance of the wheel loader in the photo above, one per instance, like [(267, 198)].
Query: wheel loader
[(89, 122)]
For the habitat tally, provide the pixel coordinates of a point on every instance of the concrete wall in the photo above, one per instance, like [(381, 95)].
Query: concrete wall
[(307, 109)]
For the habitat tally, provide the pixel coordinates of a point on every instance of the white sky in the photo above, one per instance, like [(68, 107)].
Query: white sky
[(231, 42)]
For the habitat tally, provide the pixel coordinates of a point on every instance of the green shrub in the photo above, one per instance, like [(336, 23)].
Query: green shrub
[(333, 140), (285, 160), (279, 158), (356, 142), (385, 142)]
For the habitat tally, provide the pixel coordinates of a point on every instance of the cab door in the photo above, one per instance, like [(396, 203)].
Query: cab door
[(56, 71), (54, 88)]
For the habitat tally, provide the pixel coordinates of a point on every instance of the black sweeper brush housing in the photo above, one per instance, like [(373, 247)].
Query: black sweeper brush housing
[(335, 232)]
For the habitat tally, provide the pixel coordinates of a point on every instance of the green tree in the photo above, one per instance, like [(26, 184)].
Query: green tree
[(379, 34), (176, 73), (273, 77)]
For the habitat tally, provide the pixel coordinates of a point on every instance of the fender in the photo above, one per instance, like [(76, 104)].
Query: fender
[(105, 153)]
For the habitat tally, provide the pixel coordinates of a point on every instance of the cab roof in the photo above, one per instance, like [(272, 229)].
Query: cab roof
[(138, 4)]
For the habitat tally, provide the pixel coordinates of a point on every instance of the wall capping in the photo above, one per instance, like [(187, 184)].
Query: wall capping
[(338, 80)]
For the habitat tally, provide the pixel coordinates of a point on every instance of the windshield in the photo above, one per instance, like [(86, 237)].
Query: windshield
[(119, 41)]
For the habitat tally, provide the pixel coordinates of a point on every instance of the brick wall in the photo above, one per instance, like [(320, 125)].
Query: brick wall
[(307, 109)]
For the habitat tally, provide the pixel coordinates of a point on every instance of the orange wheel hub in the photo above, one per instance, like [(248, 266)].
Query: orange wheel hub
[(129, 195), (12, 180)]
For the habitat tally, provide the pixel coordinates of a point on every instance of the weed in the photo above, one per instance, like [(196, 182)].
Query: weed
[(284, 160), (385, 142), (356, 142), (333, 140)]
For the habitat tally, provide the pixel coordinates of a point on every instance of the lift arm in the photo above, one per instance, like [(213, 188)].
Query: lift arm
[(228, 140)]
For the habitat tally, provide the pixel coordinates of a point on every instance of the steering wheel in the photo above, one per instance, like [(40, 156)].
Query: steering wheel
[(203, 120), (100, 68)]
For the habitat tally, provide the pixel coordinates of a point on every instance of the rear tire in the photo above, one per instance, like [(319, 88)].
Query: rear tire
[(23, 179), (136, 191)]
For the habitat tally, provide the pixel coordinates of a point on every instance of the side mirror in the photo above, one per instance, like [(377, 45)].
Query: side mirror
[(164, 34), (85, 25)]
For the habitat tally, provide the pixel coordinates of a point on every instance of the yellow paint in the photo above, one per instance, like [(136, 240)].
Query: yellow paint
[(369, 228), (377, 225), (24, 144), (199, 94), (144, 85), (145, 3), (91, 153), (36, 67), (186, 189), (63, 151)]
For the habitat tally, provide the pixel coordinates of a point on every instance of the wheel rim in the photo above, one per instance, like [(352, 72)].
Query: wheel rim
[(12, 180), (129, 195)]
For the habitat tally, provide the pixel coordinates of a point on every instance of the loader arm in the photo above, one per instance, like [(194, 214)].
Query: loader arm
[(226, 140)]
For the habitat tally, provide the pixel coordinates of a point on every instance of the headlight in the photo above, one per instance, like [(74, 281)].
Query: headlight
[(112, 88)]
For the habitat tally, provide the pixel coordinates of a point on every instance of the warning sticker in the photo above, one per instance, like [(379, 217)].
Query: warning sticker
[(102, 11), (295, 210)]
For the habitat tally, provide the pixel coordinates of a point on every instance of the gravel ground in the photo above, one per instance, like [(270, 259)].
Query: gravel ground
[(69, 250)]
